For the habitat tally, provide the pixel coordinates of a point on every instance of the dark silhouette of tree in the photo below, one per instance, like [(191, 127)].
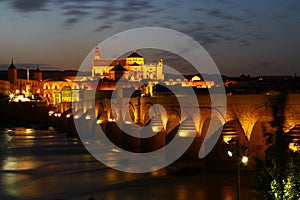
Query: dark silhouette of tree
[(279, 180)]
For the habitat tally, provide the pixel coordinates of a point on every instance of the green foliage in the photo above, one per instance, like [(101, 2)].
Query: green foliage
[(280, 180), (292, 181)]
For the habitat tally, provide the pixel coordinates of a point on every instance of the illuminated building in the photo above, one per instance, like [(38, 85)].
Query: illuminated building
[(25, 87), (4, 87), (105, 74), (54, 91), (134, 64)]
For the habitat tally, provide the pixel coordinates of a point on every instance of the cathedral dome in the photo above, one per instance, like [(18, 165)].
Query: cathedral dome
[(135, 55), (118, 67)]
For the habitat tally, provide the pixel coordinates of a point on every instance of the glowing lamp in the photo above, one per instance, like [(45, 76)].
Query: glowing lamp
[(245, 159), (11, 96)]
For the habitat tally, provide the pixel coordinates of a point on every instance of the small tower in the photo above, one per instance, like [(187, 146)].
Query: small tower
[(28, 74), (97, 53), (159, 70), (28, 86), (38, 75), (96, 59), (12, 72)]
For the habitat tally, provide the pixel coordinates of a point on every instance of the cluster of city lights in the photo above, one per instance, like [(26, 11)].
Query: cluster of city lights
[(52, 113)]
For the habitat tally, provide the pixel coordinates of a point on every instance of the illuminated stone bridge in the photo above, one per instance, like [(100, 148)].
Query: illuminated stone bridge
[(247, 117)]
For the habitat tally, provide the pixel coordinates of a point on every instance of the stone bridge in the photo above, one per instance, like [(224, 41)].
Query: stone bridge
[(247, 117)]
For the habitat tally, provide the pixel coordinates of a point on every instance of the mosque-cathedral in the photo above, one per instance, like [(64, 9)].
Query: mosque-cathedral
[(105, 73)]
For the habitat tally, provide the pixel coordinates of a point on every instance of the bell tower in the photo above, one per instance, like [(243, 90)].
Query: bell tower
[(97, 53), (38, 75), (12, 72), (96, 60), (159, 70)]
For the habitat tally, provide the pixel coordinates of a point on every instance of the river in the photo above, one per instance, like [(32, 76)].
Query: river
[(47, 165)]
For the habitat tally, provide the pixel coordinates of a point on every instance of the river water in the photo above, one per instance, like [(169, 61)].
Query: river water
[(47, 165)]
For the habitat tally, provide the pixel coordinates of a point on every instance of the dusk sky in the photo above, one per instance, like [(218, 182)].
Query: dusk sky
[(243, 37)]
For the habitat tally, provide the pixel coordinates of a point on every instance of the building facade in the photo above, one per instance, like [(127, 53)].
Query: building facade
[(134, 64), (106, 72)]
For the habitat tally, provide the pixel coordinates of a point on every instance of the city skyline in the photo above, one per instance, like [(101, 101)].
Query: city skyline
[(256, 38)]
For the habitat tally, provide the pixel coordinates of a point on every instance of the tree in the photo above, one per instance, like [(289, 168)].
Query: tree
[(280, 179)]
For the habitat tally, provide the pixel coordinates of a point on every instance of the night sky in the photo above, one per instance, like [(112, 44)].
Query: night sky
[(243, 37)]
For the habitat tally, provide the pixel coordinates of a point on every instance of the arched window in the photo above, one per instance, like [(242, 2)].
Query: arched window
[(55, 86), (46, 86)]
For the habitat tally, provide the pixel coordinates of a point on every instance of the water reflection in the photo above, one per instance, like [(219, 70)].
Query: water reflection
[(22, 163), (47, 165)]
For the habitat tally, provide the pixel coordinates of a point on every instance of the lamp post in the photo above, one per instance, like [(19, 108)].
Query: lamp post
[(239, 158)]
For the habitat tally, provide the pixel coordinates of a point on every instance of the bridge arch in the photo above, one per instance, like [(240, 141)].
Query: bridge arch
[(211, 115), (145, 111), (129, 114), (99, 109), (257, 145), (174, 119), (206, 124)]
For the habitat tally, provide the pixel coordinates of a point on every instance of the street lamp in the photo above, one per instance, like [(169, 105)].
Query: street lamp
[(240, 159), (230, 153), (245, 159)]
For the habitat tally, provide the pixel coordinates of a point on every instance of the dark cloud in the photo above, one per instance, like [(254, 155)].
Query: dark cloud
[(215, 13), (232, 18), (29, 5), (137, 4), (204, 38), (220, 14), (77, 9), (78, 13), (103, 27), (199, 9), (156, 10), (71, 21), (76, 16), (243, 43), (207, 39), (105, 14), (131, 17), (223, 28), (124, 11), (294, 7)]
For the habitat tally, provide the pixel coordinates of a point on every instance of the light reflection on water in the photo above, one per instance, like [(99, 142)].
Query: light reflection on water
[(47, 165), (23, 163)]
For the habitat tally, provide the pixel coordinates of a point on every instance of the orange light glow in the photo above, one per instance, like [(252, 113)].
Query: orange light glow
[(226, 139)]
